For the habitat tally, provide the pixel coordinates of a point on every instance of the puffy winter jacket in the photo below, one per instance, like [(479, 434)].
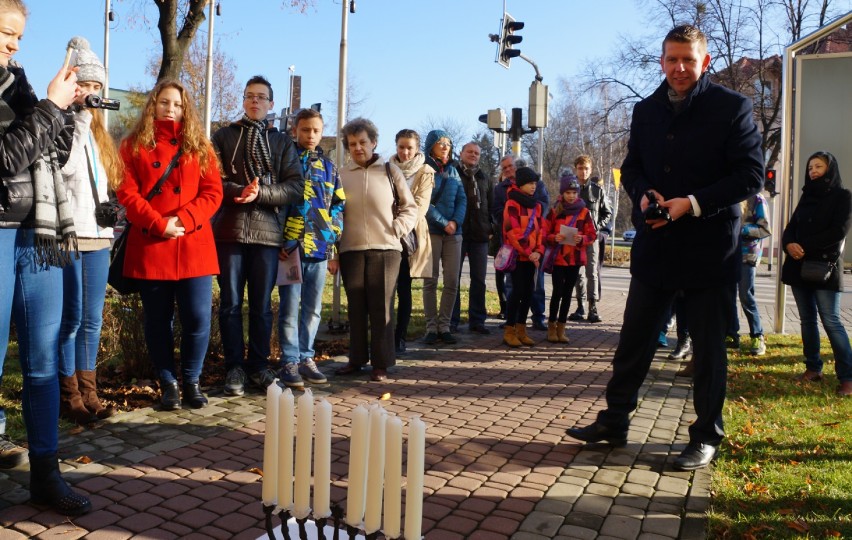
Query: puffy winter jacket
[(262, 220)]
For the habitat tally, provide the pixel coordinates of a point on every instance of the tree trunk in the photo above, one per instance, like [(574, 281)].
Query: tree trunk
[(176, 43)]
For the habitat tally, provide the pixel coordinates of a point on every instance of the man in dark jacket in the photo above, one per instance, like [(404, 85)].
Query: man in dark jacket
[(589, 277), (261, 174), (695, 151), (475, 234)]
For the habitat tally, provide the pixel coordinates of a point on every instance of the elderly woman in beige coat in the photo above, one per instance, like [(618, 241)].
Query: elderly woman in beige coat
[(421, 179), (370, 249)]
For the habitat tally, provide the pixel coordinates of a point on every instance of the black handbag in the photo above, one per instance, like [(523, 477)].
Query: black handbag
[(116, 278), (409, 240), (109, 213), (817, 272)]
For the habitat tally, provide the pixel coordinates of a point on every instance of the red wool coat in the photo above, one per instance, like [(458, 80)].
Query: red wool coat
[(188, 193)]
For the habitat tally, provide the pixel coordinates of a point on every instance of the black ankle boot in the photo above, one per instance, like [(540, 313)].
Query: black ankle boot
[(47, 488), (170, 399), (193, 397)]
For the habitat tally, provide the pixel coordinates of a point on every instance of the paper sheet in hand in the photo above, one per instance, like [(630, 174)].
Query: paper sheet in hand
[(569, 233), (290, 269)]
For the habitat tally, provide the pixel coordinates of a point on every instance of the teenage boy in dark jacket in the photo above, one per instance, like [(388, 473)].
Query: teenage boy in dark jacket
[(261, 175), (475, 234)]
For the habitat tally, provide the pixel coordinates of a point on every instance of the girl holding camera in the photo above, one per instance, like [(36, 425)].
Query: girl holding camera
[(92, 170)]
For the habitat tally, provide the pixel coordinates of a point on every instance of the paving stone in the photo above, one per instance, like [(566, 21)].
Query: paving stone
[(573, 532), (593, 504), (542, 523), (662, 524), (619, 526)]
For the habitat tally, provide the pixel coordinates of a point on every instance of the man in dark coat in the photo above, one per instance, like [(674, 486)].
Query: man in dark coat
[(695, 149)]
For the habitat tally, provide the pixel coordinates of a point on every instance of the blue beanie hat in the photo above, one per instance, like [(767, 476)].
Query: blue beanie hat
[(434, 136), (568, 181)]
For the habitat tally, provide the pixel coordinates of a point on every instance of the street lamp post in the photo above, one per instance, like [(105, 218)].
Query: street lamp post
[(107, 19), (208, 83), (292, 70)]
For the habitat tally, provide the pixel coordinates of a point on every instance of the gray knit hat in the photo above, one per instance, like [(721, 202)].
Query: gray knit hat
[(90, 67)]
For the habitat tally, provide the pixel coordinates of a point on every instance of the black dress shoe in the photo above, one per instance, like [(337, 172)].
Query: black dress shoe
[(695, 456), (378, 375), (597, 432), (348, 369), (170, 399), (480, 330), (193, 396)]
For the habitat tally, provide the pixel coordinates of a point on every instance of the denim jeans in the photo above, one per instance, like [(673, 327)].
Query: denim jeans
[(477, 254), (589, 276), (254, 267), (194, 297), (84, 288), (749, 303), (446, 254), (299, 313), (826, 305), (32, 295)]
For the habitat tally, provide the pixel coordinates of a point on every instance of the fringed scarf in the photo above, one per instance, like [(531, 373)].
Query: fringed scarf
[(55, 238), (409, 168), (257, 158)]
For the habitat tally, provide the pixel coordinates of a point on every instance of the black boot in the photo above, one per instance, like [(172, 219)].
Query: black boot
[(192, 396), (47, 488), (593, 313), (170, 399), (682, 349)]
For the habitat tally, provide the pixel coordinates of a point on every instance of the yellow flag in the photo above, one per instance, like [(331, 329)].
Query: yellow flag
[(616, 177)]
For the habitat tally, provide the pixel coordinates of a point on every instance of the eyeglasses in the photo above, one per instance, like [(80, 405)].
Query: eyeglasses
[(443, 144), (254, 97)]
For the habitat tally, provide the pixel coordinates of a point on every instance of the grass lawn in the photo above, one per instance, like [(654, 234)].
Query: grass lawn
[(785, 470)]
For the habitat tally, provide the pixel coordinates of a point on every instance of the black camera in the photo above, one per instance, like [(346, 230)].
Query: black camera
[(97, 102), (654, 211)]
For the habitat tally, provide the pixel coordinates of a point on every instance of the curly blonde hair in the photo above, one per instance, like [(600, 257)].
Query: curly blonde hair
[(195, 142)]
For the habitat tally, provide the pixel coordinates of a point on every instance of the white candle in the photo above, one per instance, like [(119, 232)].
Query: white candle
[(357, 466), (322, 460), (393, 477), (269, 489), (375, 470), (286, 414), (304, 440), (414, 489)]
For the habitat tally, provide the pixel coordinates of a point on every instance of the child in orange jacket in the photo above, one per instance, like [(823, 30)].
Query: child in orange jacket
[(567, 258), (522, 220)]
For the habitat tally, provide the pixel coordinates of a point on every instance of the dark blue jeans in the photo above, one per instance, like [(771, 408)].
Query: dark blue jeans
[(32, 295), (300, 313), (477, 254), (815, 305), (194, 297), (254, 267), (84, 288)]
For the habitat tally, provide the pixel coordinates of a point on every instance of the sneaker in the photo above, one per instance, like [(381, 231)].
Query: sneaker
[(578, 315), (235, 382), (431, 338), (732, 342), (662, 340), (447, 337), (309, 371), (758, 346), (540, 326), (263, 378), (11, 455), (289, 375), (593, 316)]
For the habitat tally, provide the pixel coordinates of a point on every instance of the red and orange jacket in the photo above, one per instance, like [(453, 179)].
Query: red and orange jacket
[(569, 255), (515, 220)]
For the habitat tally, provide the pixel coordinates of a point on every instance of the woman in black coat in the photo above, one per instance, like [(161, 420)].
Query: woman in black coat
[(816, 234)]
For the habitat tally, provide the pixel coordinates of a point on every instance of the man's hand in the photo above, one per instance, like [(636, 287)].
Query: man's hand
[(450, 228), (333, 266), (249, 193), (678, 207), (174, 228)]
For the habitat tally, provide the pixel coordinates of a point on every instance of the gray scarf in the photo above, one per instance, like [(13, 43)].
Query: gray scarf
[(257, 159), (55, 238)]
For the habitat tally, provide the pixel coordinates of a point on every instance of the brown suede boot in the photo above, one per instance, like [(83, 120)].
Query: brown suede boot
[(551, 332), (560, 333), (510, 338), (88, 385), (521, 331), (71, 405)]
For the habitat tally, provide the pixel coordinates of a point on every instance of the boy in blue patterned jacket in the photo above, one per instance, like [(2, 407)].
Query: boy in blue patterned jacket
[(311, 230)]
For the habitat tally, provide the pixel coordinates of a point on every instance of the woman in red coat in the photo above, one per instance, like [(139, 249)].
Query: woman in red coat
[(170, 247)]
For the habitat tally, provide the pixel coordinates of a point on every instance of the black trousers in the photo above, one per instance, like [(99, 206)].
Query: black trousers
[(523, 284), (369, 278), (564, 279), (707, 310)]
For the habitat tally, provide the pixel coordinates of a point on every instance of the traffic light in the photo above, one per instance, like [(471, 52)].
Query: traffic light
[(769, 182), (495, 119), (506, 46)]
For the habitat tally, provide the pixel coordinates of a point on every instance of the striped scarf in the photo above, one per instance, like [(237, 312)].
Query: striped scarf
[(55, 238), (257, 159)]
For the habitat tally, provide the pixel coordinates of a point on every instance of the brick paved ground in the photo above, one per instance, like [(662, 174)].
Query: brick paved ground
[(498, 462)]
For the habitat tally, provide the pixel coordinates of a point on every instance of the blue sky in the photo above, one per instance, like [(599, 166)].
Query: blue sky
[(409, 60)]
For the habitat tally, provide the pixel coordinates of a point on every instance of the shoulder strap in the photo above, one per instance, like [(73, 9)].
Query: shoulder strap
[(156, 189), (531, 221), (92, 180), (393, 186)]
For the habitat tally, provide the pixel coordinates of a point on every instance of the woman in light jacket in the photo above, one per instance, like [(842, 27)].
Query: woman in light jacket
[(170, 247), (421, 179), (370, 250)]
